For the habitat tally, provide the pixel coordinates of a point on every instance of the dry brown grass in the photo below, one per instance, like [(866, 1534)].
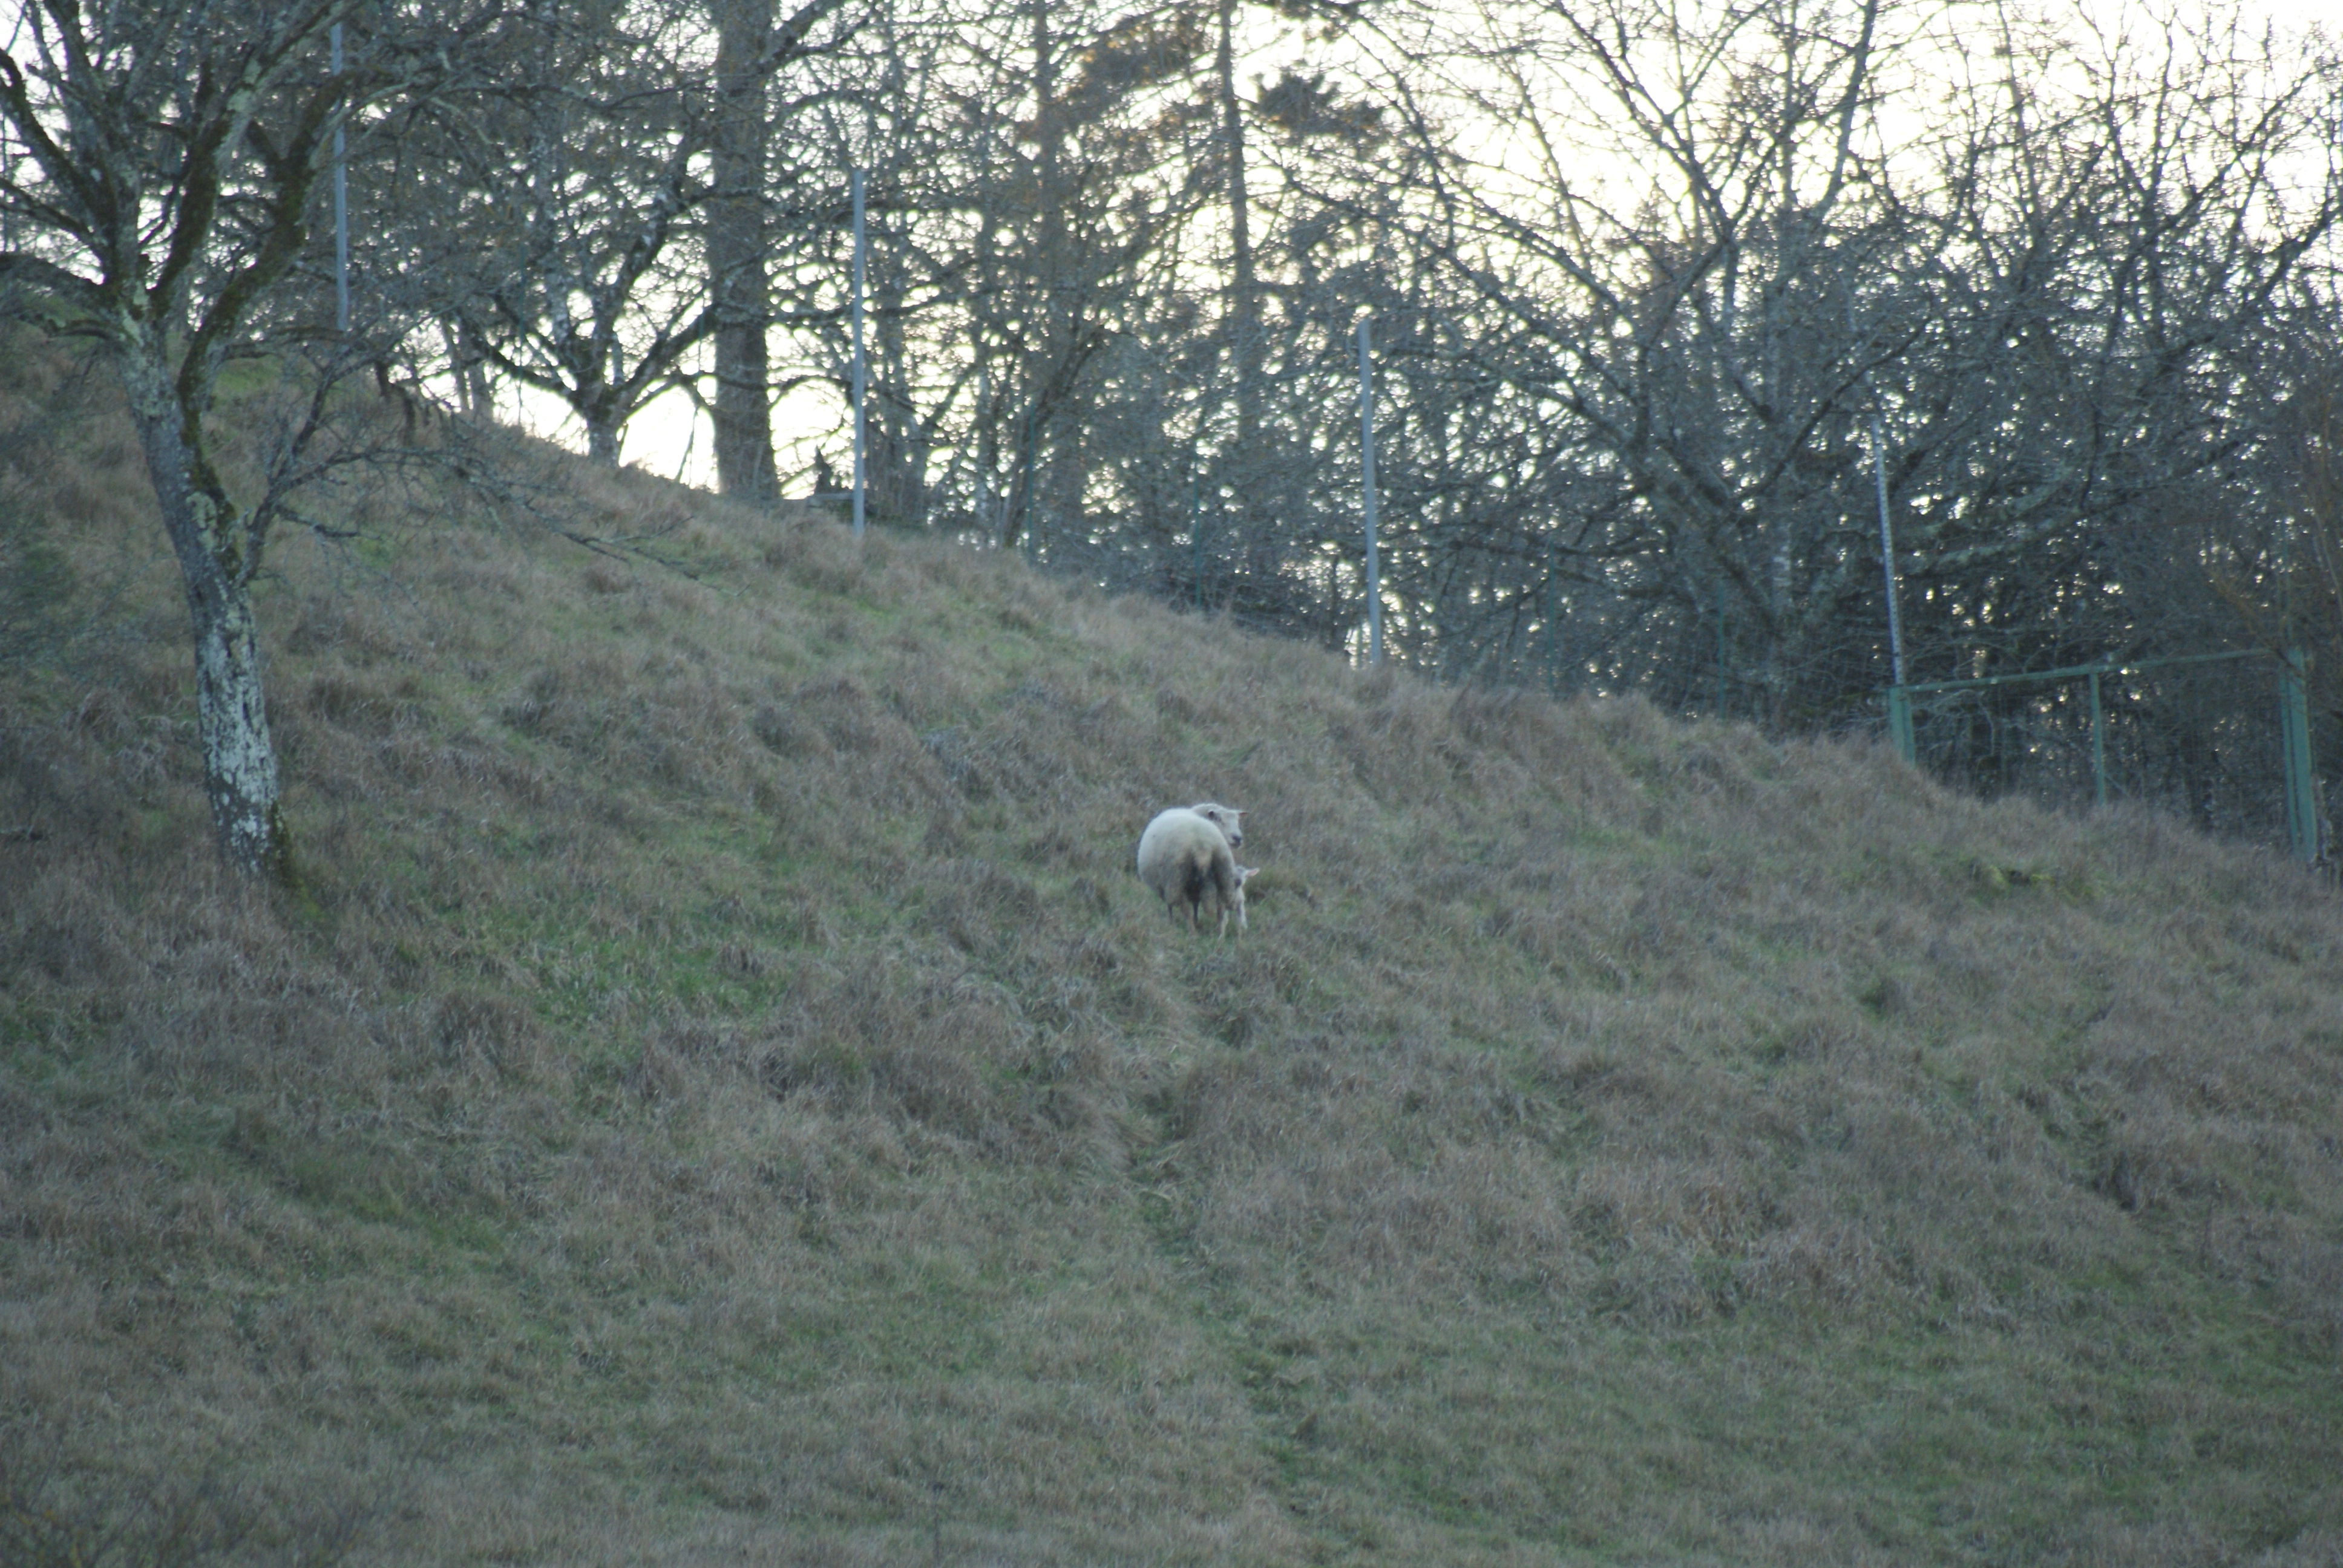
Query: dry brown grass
[(726, 1096)]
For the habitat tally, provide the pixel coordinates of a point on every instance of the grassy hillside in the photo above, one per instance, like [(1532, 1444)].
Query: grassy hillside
[(725, 1095)]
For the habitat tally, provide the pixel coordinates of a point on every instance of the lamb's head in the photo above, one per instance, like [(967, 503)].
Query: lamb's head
[(1227, 820)]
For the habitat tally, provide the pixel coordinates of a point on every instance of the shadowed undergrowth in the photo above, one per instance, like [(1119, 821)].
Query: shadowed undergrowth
[(726, 1095)]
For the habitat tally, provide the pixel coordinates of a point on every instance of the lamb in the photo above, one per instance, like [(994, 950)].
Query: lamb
[(1187, 855)]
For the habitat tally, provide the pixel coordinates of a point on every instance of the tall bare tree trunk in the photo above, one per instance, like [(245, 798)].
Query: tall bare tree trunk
[(1053, 268), (903, 444), (1244, 287), (745, 465)]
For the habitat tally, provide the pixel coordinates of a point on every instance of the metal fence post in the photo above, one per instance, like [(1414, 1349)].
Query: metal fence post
[(1367, 477), (1553, 671), (861, 368), (2098, 742), (341, 211), (1196, 525), (2301, 783), (1899, 723), (1720, 675)]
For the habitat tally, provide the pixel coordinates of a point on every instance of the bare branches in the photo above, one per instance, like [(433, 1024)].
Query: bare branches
[(558, 218), (2053, 290)]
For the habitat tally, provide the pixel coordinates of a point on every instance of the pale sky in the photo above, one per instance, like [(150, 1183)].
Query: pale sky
[(671, 438)]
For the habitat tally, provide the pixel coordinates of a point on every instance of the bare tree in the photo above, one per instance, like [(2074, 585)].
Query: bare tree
[(2279, 569), (175, 153), (737, 285), (589, 180), (1013, 222), (2035, 296)]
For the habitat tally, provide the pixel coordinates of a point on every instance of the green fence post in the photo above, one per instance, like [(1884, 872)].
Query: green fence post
[(1552, 672), (1899, 723), (2301, 784), (1720, 653), (1196, 526), (2098, 741)]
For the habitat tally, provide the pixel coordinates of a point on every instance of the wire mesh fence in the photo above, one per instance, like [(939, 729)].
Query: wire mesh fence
[(2222, 738)]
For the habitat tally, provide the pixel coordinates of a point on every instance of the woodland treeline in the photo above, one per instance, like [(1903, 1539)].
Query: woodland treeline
[(1672, 304)]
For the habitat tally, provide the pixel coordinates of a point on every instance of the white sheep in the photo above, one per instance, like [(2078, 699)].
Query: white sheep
[(1227, 819), (1187, 856)]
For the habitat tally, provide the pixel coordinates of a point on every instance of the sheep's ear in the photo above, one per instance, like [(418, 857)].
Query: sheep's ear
[(1244, 871)]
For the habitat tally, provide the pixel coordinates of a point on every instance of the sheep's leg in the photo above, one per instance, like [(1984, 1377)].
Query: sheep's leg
[(1192, 893)]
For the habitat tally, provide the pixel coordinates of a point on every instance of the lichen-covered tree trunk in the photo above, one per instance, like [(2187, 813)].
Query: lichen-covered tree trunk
[(218, 548), (232, 717)]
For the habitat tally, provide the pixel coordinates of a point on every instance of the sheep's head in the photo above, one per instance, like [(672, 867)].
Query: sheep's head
[(1229, 820)]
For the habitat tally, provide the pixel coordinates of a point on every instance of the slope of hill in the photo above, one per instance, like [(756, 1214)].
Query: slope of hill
[(723, 1095)]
